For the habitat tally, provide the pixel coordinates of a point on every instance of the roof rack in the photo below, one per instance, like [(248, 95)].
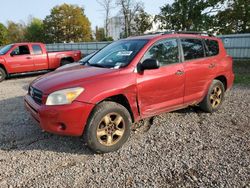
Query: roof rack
[(202, 33), (205, 33)]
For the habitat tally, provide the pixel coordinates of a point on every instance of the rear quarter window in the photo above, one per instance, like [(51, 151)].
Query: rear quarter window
[(212, 47)]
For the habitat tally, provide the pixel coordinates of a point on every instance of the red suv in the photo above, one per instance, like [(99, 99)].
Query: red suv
[(127, 81)]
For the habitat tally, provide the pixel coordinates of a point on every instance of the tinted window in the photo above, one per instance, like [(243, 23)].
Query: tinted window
[(37, 49), (166, 52), (192, 48), (212, 47), (21, 50)]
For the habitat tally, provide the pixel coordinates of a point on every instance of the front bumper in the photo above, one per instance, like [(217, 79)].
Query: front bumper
[(69, 120)]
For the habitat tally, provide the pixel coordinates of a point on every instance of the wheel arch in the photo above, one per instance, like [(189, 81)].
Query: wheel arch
[(223, 79), (3, 67), (70, 59), (120, 99)]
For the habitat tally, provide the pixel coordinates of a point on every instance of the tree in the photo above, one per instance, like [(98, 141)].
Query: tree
[(67, 23), (99, 34), (189, 14), (3, 35), (143, 22), (129, 9), (235, 18), (35, 31), (107, 7), (16, 32)]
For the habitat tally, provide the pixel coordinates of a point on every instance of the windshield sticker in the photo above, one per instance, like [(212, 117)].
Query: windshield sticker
[(124, 53), (118, 65)]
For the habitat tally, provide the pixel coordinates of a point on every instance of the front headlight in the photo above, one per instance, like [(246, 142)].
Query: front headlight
[(65, 96)]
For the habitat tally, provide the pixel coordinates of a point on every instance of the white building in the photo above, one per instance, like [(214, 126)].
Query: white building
[(115, 28)]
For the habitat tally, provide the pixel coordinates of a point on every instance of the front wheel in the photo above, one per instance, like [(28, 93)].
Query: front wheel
[(108, 127), (2, 74), (214, 97)]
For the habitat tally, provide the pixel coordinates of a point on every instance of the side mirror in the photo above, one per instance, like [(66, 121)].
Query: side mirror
[(149, 64)]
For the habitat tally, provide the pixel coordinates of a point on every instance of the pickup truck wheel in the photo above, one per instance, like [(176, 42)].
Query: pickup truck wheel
[(108, 127), (65, 62), (214, 97), (2, 74)]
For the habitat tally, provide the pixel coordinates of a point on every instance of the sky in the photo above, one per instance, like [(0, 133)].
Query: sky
[(21, 10)]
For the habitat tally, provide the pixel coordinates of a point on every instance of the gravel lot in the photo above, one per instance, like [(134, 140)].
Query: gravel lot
[(186, 148)]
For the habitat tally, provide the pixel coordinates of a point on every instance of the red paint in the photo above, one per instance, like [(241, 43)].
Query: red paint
[(148, 93), (33, 62)]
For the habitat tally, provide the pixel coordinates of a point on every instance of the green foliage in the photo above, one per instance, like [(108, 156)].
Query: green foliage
[(100, 34), (35, 31), (67, 23), (188, 14), (235, 18), (242, 72), (3, 35), (16, 32), (143, 22)]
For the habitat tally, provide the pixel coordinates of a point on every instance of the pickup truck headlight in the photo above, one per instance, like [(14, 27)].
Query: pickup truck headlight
[(65, 96)]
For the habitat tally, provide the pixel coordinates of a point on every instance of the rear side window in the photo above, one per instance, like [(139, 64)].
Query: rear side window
[(212, 47), (192, 49), (165, 51), (37, 50)]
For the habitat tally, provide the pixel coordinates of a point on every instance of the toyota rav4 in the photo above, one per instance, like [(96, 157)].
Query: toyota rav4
[(129, 80)]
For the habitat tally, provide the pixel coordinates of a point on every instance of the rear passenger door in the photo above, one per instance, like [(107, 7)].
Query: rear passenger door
[(39, 57), (199, 70)]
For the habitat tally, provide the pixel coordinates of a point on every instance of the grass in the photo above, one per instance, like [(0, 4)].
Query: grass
[(242, 72)]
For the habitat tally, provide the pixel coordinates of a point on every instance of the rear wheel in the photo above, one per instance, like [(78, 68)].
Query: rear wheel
[(2, 74), (214, 97), (65, 62), (108, 127)]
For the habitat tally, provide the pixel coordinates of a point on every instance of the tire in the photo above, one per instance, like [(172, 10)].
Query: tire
[(214, 98), (65, 62), (102, 133), (3, 74)]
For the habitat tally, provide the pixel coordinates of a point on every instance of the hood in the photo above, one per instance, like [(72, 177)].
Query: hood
[(69, 77)]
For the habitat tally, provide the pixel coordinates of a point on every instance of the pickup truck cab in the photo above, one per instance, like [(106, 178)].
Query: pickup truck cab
[(31, 57), (130, 80)]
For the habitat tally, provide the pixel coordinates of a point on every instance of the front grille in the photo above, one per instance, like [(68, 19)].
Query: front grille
[(36, 94)]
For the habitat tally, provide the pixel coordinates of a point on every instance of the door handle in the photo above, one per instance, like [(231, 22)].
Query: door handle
[(28, 57), (179, 72), (212, 65)]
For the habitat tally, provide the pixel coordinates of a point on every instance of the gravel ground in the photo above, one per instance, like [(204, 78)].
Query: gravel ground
[(186, 148)]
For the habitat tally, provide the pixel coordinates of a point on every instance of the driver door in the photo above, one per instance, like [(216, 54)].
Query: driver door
[(161, 90), (20, 59)]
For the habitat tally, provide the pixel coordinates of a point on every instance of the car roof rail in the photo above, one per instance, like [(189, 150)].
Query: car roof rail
[(202, 33)]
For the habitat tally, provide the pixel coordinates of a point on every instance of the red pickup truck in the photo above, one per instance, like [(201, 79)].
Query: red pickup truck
[(31, 57), (129, 80)]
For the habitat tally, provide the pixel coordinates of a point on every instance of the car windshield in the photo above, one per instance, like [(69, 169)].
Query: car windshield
[(5, 49), (117, 54)]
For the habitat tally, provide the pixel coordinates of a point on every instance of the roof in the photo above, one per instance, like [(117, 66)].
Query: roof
[(163, 35)]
